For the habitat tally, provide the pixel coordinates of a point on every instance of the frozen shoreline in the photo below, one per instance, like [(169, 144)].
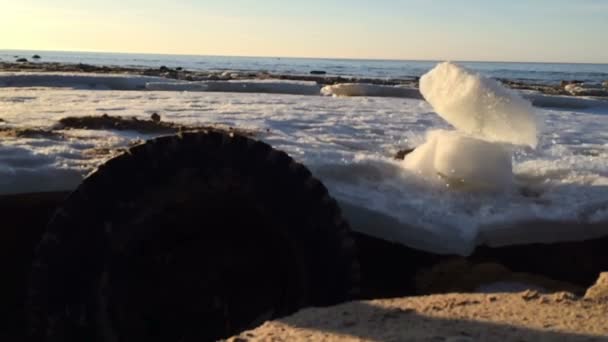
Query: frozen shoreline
[(376, 86), (349, 143)]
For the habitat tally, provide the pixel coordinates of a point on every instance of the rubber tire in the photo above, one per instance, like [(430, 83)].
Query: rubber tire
[(145, 202)]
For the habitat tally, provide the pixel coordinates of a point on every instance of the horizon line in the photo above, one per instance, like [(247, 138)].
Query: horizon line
[(386, 59)]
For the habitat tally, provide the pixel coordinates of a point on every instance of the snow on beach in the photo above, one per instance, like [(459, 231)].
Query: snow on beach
[(347, 142)]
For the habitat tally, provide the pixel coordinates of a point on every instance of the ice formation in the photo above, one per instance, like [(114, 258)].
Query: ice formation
[(479, 106), (77, 80), (487, 117), (361, 89)]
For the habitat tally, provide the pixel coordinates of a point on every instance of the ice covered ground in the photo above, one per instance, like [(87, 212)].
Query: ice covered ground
[(348, 143)]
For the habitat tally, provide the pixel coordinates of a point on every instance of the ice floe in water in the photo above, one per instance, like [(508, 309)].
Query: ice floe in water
[(478, 105)]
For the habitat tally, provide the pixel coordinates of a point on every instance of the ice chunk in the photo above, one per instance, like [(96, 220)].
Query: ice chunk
[(479, 106), (462, 162), (361, 89), (77, 80), (567, 102), (249, 86)]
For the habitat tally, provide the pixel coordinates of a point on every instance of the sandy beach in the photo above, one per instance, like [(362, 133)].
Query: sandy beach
[(454, 317)]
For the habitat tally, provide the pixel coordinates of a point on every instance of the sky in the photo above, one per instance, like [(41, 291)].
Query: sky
[(465, 30)]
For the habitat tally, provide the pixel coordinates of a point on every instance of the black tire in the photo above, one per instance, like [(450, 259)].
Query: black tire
[(191, 237)]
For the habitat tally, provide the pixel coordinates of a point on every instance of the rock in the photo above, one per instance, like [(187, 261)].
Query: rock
[(530, 295), (21, 60), (600, 289), (155, 117), (400, 155), (35, 57), (179, 68), (86, 67), (163, 68), (318, 72)]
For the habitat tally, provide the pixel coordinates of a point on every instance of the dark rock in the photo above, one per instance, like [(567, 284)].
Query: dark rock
[(151, 72), (21, 60), (400, 155), (2, 120), (105, 122), (29, 132), (155, 117), (86, 67), (179, 68), (318, 72), (35, 57), (163, 68)]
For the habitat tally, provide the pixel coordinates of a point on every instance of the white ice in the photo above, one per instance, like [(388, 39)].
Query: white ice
[(348, 143), (242, 86), (479, 106), (362, 89), (462, 162)]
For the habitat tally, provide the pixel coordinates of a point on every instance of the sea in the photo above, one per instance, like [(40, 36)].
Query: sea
[(541, 73)]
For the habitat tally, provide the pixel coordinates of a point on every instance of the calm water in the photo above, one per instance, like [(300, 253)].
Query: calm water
[(535, 72)]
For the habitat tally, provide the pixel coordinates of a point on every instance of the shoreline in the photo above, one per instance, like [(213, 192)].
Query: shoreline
[(566, 88), (463, 317)]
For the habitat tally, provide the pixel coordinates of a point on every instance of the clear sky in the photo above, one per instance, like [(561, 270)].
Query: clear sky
[(509, 30)]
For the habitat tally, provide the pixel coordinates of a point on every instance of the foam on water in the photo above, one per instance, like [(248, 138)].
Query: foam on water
[(479, 106)]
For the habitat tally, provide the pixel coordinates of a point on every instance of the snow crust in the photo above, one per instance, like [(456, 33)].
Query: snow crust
[(479, 106)]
